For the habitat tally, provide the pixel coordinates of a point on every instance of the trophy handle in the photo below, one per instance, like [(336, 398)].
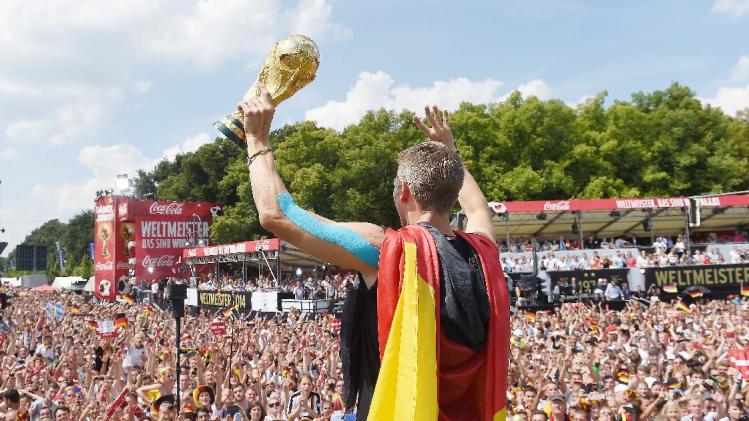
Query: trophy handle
[(232, 127)]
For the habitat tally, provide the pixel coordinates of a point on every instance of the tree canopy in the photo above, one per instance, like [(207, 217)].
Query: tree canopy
[(662, 143), (74, 237)]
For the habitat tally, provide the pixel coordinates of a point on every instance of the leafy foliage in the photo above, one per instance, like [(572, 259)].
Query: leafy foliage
[(73, 236), (663, 143)]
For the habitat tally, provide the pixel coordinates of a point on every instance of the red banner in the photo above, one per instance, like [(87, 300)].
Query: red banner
[(272, 244), (538, 206), (145, 239), (740, 360), (104, 248)]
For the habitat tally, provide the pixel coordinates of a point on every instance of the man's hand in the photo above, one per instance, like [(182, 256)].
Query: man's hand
[(258, 115), (440, 130)]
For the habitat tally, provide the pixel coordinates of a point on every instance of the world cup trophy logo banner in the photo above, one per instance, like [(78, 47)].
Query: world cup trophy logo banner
[(290, 66)]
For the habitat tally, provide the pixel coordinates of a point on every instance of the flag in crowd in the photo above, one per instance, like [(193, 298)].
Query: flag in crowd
[(622, 377), (682, 307), (126, 299), (745, 290), (150, 309), (120, 321), (696, 294), (740, 359), (530, 316), (674, 384), (671, 289), (230, 311)]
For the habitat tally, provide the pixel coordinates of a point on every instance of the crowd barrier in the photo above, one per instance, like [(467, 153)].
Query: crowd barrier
[(244, 301), (718, 281)]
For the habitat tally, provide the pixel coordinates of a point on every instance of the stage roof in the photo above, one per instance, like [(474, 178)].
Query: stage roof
[(259, 252), (616, 217)]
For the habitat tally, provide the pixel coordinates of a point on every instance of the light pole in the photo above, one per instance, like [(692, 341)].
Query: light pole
[(177, 294)]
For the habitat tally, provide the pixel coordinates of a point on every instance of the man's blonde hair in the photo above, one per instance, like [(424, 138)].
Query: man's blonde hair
[(433, 173)]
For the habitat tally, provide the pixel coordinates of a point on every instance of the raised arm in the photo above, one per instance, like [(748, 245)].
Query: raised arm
[(471, 198), (349, 245)]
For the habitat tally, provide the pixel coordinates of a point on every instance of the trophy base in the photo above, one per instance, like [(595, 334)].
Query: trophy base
[(232, 128)]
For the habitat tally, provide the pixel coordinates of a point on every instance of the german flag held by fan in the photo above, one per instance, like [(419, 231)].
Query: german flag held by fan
[(120, 321)]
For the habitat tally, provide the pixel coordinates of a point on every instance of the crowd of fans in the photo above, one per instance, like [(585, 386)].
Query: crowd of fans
[(61, 366), (651, 363), (521, 245), (580, 363), (661, 254)]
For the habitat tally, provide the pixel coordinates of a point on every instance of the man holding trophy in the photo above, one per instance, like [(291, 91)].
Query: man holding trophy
[(426, 335)]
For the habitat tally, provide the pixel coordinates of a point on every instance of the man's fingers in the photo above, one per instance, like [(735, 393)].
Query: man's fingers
[(265, 96), (436, 113), (420, 124), (430, 116), (446, 120)]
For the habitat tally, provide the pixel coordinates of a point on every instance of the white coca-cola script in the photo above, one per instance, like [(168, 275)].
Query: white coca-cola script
[(158, 208), (158, 261), (104, 266), (562, 205)]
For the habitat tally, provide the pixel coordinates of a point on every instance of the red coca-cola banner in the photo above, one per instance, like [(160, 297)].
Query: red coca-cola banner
[(272, 244), (145, 239), (104, 248), (537, 206), (163, 230)]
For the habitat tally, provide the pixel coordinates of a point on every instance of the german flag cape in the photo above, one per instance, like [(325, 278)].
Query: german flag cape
[(415, 381)]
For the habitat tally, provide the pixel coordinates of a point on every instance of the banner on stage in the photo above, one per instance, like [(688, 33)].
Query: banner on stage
[(587, 280), (721, 280), (240, 299)]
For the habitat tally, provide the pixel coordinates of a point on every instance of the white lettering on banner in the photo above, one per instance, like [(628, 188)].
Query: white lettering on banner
[(104, 209), (159, 261), (122, 265), (562, 205), (104, 266), (636, 204), (709, 201), (671, 203), (173, 229), (262, 245), (122, 208), (166, 209)]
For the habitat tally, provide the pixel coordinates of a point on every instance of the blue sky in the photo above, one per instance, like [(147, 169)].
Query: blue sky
[(88, 92)]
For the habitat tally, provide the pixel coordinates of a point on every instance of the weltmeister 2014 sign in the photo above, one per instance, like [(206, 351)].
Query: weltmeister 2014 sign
[(225, 299), (721, 280), (587, 280)]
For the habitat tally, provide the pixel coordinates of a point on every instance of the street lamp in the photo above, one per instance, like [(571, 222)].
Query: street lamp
[(298, 272), (123, 182)]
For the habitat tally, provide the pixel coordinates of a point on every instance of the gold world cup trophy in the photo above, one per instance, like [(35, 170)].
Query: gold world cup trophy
[(290, 66)]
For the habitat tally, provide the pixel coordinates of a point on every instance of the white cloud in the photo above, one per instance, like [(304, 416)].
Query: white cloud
[(67, 64), (142, 86), (191, 144), (8, 154), (734, 8), (39, 191), (106, 162), (740, 71), (375, 90), (730, 99), (535, 87)]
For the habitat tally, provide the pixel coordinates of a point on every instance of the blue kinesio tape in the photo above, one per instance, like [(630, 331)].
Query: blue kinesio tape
[(339, 235)]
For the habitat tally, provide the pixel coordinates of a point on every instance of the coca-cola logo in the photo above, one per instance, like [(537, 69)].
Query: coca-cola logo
[(104, 266), (122, 265), (158, 261), (562, 205), (165, 209), (262, 245)]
